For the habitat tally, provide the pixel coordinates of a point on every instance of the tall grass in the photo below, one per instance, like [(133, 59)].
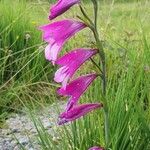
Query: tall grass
[(23, 70)]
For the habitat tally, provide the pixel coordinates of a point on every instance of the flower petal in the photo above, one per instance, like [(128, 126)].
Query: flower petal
[(60, 7), (57, 33), (72, 61), (61, 74), (77, 112), (76, 88), (96, 148), (51, 52)]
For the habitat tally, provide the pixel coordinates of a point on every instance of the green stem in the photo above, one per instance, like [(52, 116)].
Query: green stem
[(106, 111), (96, 65), (95, 3), (106, 117), (102, 67), (103, 62), (85, 15)]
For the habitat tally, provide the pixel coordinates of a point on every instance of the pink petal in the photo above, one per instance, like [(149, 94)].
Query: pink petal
[(76, 88), (77, 112), (51, 52), (57, 33), (72, 61), (61, 74), (60, 7)]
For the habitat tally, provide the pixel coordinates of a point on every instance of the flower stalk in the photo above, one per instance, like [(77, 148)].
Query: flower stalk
[(71, 62), (103, 66)]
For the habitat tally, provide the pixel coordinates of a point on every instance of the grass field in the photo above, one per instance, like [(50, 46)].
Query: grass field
[(26, 78)]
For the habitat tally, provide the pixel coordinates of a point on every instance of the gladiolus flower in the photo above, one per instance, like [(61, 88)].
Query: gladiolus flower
[(96, 148), (57, 33), (60, 7), (76, 88), (70, 63), (77, 112)]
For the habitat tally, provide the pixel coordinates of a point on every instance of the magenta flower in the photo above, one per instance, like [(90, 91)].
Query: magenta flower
[(96, 148), (77, 112), (56, 34), (60, 7), (76, 88), (70, 63)]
